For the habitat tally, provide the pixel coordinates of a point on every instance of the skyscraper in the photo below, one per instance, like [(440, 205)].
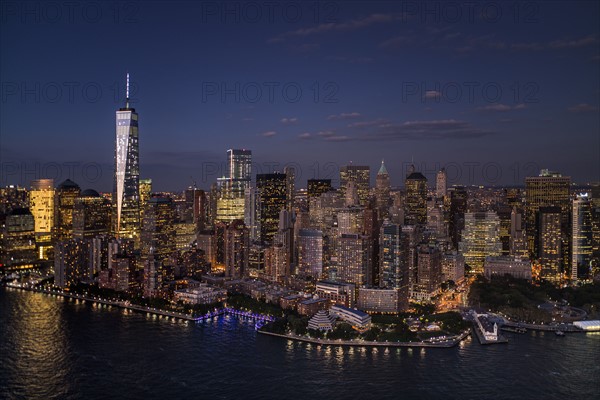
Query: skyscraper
[(549, 242), (361, 176), (582, 237), (18, 239), (126, 193), (232, 187), (158, 232), (480, 238), (440, 183), (41, 205), (393, 268), (382, 192), (273, 198), (549, 189), (64, 202), (415, 206), (91, 215), (310, 253)]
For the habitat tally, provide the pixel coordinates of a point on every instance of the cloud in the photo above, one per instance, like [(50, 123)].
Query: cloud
[(365, 124), (305, 135), (502, 107), (342, 116), (289, 121), (325, 133), (347, 26), (395, 42), (582, 108), (488, 41), (352, 60), (432, 94), (269, 134), (448, 129)]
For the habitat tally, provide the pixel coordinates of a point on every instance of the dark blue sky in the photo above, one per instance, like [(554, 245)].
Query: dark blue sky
[(492, 90)]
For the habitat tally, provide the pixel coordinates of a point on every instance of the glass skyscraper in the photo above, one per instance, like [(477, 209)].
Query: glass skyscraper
[(126, 196)]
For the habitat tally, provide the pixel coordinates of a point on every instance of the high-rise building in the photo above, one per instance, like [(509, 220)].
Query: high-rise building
[(252, 213), (582, 236), (360, 176), (64, 203), (126, 193), (382, 192), (415, 205), (441, 183), (232, 187), (91, 215), (41, 205), (480, 238), (290, 175), (158, 232), (549, 242), (145, 194), (456, 216), (71, 262), (393, 263), (18, 239), (316, 187), (354, 259), (518, 240), (273, 199), (429, 275), (549, 189), (310, 253), (237, 246)]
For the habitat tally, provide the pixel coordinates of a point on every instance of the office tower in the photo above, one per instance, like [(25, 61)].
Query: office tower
[(256, 260), (290, 175), (310, 253), (440, 183), (18, 239), (456, 217), (206, 242), (505, 213), (382, 192), (323, 211), (152, 277), (232, 187), (71, 262), (350, 220), (411, 236), (273, 198), (415, 204), (480, 238), (158, 232), (429, 274), (91, 215), (549, 189), (354, 259), (126, 193), (351, 195), (582, 236), (435, 217), (213, 197), (237, 245), (102, 249), (393, 267), (316, 187), (252, 213), (360, 176), (185, 234), (518, 239), (200, 209), (145, 194), (41, 205), (549, 242), (396, 213), (64, 203), (453, 267)]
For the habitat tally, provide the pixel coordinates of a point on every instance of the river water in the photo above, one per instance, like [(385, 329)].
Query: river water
[(56, 348)]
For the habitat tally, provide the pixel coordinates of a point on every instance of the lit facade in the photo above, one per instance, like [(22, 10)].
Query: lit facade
[(41, 205), (480, 238)]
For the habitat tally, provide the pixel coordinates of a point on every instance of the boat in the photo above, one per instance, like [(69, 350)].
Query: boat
[(559, 333)]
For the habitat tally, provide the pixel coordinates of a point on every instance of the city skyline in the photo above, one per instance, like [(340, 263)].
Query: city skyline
[(399, 84)]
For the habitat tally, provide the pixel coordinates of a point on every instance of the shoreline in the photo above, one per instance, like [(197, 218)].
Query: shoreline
[(149, 310), (362, 343)]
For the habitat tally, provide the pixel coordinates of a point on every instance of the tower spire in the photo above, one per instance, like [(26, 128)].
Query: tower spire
[(127, 92)]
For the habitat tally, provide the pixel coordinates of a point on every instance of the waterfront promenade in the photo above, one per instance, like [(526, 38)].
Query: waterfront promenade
[(449, 342), (149, 310)]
